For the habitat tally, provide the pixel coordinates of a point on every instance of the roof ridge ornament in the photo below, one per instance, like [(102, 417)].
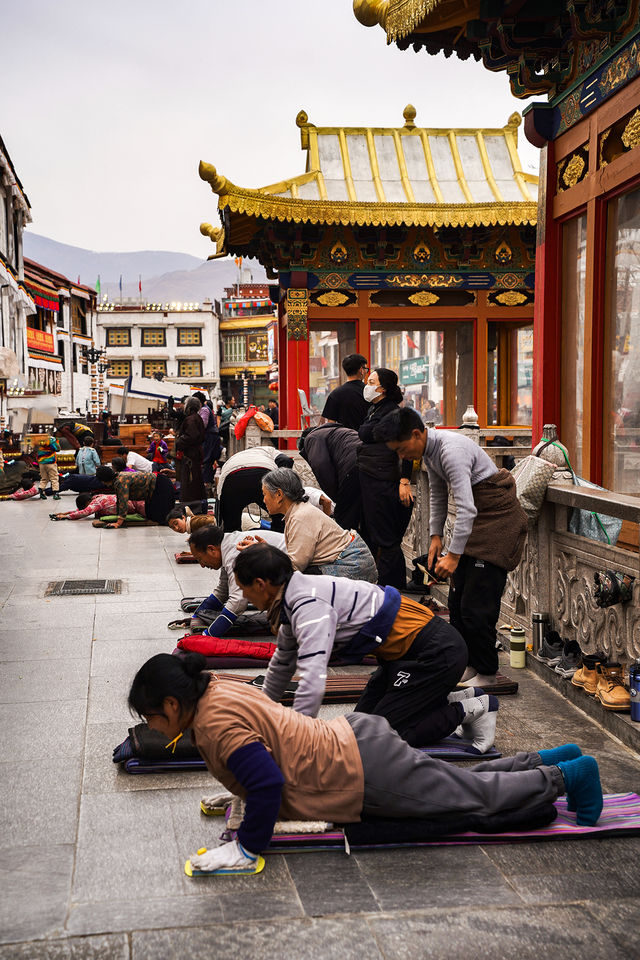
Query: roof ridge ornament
[(370, 13), (208, 172), (409, 114)]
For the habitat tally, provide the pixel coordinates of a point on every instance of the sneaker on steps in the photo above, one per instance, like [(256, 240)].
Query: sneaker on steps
[(551, 650), (610, 689), (570, 660), (586, 676)]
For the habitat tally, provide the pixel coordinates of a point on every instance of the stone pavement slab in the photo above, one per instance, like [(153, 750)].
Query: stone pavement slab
[(91, 859)]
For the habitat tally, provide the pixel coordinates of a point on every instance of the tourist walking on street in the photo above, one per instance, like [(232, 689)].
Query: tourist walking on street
[(48, 466), (385, 483), (488, 535)]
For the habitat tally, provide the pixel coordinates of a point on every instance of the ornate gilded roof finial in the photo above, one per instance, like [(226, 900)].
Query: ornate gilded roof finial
[(409, 114), (370, 12), (302, 119), (208, 230), (514, 120), (208, 172)]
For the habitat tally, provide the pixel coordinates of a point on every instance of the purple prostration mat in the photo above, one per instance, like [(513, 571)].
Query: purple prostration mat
[(620, 817), (448, 749)]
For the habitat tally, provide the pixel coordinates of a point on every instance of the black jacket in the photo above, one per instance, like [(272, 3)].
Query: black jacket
[(375, 459), (331, 452)]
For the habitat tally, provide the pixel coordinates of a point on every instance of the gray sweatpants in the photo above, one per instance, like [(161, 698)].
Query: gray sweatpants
[(400, 781)]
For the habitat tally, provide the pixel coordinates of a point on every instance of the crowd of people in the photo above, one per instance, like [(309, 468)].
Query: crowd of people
[(323, 567)]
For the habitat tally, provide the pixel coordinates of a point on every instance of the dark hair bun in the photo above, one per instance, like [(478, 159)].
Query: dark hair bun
[(193, 663)]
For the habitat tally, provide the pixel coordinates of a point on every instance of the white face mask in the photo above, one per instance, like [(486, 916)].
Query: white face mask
[(370, 392)]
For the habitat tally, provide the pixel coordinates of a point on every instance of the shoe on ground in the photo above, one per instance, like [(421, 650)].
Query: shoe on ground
[(571, 659), (56, 495), (552, 648), (586, 676), (479, 680), (610, 690), (43, 495)]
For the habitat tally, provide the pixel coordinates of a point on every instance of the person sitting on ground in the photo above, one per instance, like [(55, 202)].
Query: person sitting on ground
[(134, 461), (488, 535), (314, 542), (217, 550), (421, 656), (98, 505), (158, 451), (87, 459), (288, 766), (155, 489)]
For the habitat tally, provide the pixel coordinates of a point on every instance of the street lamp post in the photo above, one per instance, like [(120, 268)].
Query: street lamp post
[(92, 355)]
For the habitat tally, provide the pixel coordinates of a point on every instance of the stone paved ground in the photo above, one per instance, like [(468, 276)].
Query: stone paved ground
[(92, 858)]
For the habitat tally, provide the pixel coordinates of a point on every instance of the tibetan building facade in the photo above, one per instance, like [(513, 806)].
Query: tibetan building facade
[(583, 59), (410, 245)]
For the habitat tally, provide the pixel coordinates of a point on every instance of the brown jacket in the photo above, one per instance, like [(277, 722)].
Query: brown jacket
[(500, 528)]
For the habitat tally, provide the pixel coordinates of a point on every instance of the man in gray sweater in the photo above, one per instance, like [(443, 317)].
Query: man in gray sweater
[(421, 656), (488, 534)]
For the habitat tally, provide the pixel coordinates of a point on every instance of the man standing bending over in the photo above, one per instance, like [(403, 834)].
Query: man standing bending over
[(488, 534)]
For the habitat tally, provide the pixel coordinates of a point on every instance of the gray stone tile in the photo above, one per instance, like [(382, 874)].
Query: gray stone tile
[(32, 680), (513, 934), (125, 846), (76, 948), (330, 883), (438, 876), (144, 914), (331, 938), (33, 643), (108, 699), (620, 918), (101, 775), (36, 883), (262, 905), (39, 800), (123, 658), (563, 856), (606, 884), (39, 731)]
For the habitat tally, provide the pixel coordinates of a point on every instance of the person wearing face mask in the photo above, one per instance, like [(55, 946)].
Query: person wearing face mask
[(387, 500)]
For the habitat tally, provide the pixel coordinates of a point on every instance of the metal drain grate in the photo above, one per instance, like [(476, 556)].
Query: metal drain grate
[(74, 588)]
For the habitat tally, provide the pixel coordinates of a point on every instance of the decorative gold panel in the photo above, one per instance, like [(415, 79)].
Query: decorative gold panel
[(631, 133), (339, 253), (503, 253), (332, 298), (573, 171), (297, 303), (511, 298), (423, 298)]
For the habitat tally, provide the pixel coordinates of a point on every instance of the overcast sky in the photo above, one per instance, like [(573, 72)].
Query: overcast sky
[(109, 106)]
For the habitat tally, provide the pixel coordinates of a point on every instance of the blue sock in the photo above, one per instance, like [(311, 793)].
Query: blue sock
[(568, 751), (584, 791)]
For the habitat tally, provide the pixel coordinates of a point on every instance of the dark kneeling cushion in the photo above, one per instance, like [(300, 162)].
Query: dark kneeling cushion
[(378, 830)]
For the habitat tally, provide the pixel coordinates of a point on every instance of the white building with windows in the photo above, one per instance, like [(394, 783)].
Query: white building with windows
[(177, 342)]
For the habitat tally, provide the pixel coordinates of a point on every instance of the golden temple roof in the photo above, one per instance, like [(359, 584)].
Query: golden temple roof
[(400, 175), (399, 18)]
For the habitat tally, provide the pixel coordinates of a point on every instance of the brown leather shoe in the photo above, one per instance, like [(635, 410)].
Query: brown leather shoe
[(611, 691), (586, 677)]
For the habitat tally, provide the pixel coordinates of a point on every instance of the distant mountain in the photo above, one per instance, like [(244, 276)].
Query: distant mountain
[(166, 276)]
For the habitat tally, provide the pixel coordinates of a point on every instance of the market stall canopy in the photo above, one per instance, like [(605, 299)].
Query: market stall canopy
[(381, 176)]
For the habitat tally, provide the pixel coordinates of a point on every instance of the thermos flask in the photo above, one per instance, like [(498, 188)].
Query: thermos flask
[(540, 625), (517, 654), (634, 690)]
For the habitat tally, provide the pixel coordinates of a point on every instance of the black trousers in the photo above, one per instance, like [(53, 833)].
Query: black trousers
[(411, 693), (241, 488), (384, 523), (348, 502), (474, 604), (161, 500)]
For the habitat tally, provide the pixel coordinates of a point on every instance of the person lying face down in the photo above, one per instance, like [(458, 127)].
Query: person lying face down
[(217, 550), (289, 766), (421, 656)]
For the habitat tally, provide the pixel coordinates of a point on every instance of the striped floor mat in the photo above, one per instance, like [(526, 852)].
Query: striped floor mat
[(620, 817)]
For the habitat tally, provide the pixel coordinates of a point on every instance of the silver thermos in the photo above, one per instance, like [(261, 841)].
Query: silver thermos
[(540, 625)]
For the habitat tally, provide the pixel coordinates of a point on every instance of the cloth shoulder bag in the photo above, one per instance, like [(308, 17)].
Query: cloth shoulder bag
[(532, 476)]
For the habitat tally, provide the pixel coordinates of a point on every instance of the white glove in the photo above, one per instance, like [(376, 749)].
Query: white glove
[(229, 855), (217, 801)]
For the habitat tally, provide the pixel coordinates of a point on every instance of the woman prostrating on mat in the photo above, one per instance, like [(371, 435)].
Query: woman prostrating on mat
[(314, 542), (289, 766), (421, 656)]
